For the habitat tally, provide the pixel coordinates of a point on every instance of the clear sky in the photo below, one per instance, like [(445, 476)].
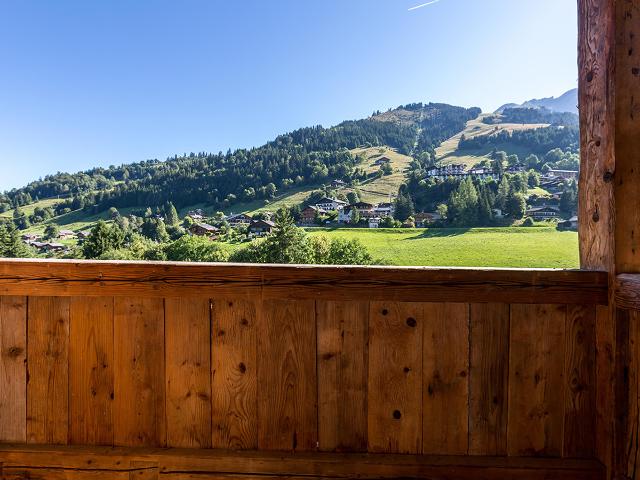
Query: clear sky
[(101, 82)]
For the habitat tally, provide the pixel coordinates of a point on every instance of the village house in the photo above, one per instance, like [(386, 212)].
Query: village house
[(330, 204), (345, 215), (543, 213), (47, 247), (426, 218), (30, 237), (84, 234), (572, 223), (261, 227), (203, 230), (239, 219), (366, 210), (382, 161), (196, 214), (565, 174), (338, 184), (309, 214), (384, 210), (374, 222), (66, 234)]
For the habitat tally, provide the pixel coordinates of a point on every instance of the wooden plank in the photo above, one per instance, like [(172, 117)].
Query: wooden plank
[(213, 463), (395, 377), (605, 379), (234, 374), (632, 397), (446, 379), (188, 375), (139, 372), (287, 385), (20, 473), (579, 424), (402, 284), (13, 371), (343, 330), (627, 291), (536, 380), (597, 134), (91, 388), (488, 386), (48, 386)]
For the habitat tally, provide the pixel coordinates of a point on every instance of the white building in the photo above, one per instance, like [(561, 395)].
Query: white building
[(330, 204)]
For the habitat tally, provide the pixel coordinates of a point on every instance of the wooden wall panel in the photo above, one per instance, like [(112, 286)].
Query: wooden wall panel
[(580, 395), (13, 370), (489, 379), (91, 389), (48, 366), (343, 330), (234, 368), (446, 379), (139, 372), (395, 377), (188, 372), (536, 380), (287, 384)]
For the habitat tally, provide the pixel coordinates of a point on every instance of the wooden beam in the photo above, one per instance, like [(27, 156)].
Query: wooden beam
[(209, 463), (417, 284)]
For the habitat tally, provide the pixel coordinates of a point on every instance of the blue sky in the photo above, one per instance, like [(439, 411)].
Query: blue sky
[(102, 82)]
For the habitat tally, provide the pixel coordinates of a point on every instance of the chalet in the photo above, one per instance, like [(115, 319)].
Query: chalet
[(382, 161), (261, 227), (366, 210), (446, 171), (330, 204), (46, 247), (239, 219), (543, 213), (426, 218), (196, 214), (515, 169), (84, 234), (338, 184), (572, 223), (374, 222), (384, 210), (309, 214), (565, 174), (66, 234), (345, 215), (30, 237), (203, 230)]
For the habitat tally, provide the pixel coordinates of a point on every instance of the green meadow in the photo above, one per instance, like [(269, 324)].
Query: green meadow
[(514, 247)]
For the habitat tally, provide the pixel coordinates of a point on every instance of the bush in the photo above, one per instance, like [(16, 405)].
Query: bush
[(528, 222), (195, 249)]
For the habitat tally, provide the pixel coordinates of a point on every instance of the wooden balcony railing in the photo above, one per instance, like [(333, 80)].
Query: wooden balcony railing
[(297, 371)]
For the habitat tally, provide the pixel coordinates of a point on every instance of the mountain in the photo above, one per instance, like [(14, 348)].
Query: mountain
[(567, 102)]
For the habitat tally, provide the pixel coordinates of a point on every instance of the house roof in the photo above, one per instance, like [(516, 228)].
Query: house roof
[(546, 207), (206, 226), (362, 205), (239, 216), (262, 223)]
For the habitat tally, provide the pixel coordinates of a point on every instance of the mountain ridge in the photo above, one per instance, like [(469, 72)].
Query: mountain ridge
[(565, 103)]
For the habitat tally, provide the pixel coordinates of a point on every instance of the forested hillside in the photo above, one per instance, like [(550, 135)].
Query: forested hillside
[(305, 156)]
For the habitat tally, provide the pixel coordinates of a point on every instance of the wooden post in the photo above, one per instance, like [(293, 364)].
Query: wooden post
[(609, 80)]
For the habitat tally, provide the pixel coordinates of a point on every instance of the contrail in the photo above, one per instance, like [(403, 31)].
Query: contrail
[(424, 5)]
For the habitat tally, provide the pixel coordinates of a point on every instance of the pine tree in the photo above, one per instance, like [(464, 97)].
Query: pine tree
[(171, 214)]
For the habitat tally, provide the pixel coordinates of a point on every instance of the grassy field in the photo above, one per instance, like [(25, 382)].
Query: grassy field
[(536, 247), (447, 153), (29, 209)]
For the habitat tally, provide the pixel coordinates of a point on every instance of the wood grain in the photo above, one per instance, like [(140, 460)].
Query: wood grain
[(207, 464), (580, 395), (406, 284), (488, 386), (91, 387), (48, 355), (287, 382), (395, 377), (188, 372), (13, 371), (631, 433), (234, 367), (343, 329), (139, 372), (536, 380), (446, 379)]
